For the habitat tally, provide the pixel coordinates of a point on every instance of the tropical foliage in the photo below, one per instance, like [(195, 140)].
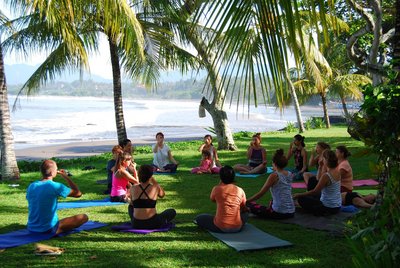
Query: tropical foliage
[(377, 242)]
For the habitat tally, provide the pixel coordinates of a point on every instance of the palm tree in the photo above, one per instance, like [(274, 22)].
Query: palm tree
[(139, 42), (275, 25), (197, 37), (70, 43), (9, 166)]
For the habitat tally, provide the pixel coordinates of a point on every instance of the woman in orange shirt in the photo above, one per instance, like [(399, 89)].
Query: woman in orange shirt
[(231, 212)]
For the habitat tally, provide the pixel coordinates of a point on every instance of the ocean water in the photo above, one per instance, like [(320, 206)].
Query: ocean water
[(47, 120)]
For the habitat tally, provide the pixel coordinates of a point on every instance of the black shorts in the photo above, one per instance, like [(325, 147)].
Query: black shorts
[(348, 199), (253, 164)]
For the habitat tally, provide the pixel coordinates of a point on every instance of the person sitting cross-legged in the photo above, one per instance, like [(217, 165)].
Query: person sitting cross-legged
[(231, 213), (42, 196), (142, 209), (280, 185)]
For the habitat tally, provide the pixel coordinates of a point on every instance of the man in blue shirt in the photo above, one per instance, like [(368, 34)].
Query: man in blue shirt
[(42, 198)]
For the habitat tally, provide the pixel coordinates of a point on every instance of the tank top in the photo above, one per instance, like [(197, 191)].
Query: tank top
[(256, 156), (144, 202), (298, 159), (281, 191), (211, 150), (119, 185), (330, 195)]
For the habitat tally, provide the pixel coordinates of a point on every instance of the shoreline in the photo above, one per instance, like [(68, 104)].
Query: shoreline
[(80, 149)]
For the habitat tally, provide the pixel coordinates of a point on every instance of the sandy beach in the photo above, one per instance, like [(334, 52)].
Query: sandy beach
[(79, 149)]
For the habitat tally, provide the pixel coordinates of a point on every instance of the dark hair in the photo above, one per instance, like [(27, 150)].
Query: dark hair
[(323, 145), (206, 153), (227, 174), (331, 158), (209, 136), (279, 159), (124, 142), (145, 173), (47, 167), (300, 138), (258, 136), (160, 133), (343, 149)]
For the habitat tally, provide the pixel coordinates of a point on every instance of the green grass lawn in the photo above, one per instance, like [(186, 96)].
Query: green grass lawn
[(186, 245)]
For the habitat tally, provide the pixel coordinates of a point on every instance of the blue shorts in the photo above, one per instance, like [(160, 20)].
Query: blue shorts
[(53, 230)]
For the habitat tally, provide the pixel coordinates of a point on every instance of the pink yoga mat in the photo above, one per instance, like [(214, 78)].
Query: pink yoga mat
[(369, 182)]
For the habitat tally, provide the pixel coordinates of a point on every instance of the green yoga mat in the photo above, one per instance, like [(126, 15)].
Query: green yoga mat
[(251, 238), (366, 191)]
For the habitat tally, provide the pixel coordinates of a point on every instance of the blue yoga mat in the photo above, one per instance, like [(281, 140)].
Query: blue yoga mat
[(22, 237), (247, 175), (267, 171), (88, 203), (251, 238)]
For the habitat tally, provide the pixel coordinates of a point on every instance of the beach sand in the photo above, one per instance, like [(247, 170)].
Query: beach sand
[(79, 149)]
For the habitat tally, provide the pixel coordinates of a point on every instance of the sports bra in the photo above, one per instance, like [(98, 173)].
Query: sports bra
[(144, 203)]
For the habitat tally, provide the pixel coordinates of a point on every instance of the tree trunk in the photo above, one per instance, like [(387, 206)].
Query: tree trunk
[(368, 60), (344, 105), (221, 125), (9, 166), (296, 104), (215, 108), (326, 116), (118, 106)]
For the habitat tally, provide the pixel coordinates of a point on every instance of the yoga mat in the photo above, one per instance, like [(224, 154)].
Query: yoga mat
[(368, 182), (127, 227), (366, 191), (356, 183), (268, 170), (247, 175), (250, 238), (299, 185), (349, 209), (22, 237), (88, 203), (333, 223)]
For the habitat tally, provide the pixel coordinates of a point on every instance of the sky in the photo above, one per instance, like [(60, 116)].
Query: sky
[(99, 63)]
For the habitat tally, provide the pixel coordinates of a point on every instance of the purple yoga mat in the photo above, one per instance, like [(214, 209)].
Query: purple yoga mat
[(299, 185), (127, 227)]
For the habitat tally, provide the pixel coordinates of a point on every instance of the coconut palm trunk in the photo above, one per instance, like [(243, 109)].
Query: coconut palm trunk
[(215, 107), (117, 89), (344, 105), (221, 124), (9, 167), (296, 103), (325, 108)]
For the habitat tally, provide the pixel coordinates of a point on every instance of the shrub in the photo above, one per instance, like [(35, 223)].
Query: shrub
[(290, 127)]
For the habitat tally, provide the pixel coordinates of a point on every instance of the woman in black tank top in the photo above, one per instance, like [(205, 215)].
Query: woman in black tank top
[(257, 156), (142, 209)]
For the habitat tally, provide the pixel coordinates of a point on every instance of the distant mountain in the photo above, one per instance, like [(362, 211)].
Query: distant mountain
[(17, 74)]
